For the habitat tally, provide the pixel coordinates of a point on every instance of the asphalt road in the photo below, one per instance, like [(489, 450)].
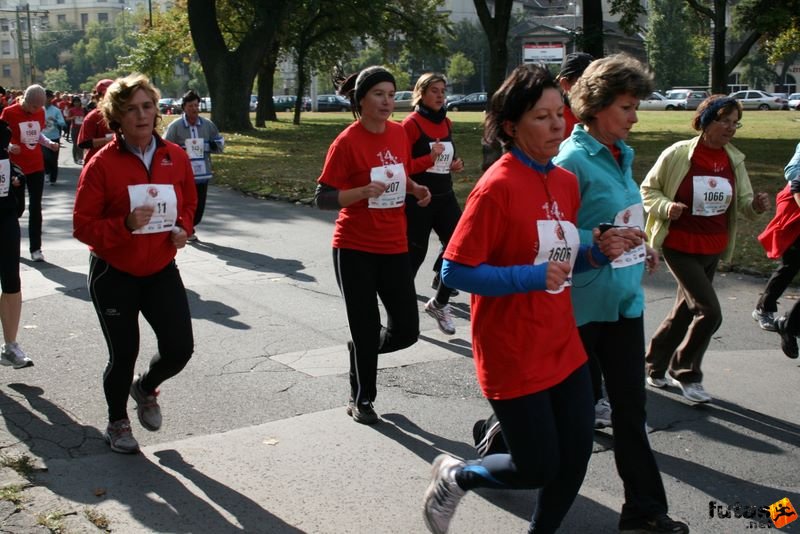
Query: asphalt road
[(255, 437)]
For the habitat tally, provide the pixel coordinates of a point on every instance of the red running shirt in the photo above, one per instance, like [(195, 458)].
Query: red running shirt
[(94, 127), (351, 158), (30, 160), (525, 342)]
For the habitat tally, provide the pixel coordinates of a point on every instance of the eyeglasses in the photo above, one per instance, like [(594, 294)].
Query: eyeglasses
[(730, 124)]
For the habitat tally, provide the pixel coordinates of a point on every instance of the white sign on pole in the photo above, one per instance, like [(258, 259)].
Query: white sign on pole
[(542, 53)]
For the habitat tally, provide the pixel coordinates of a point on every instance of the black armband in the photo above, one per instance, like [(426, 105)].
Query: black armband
[(326, 197)]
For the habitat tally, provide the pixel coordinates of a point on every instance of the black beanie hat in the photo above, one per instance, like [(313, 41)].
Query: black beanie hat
[(370, 77), (574, 64)]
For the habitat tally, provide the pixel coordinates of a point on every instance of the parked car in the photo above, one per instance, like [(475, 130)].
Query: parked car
[(402, 100), (453, 98), (784, 99), (752, 99), (332, 103), (471, 102), (205, 104), (284, 102), (253, 102), (169, 106), (656, 101), (794, 101), (686, 98)]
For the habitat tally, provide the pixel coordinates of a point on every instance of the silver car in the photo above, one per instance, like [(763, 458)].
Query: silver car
[(686, 98), (656, 101), (752, 99), (794, 101), (402, 100)]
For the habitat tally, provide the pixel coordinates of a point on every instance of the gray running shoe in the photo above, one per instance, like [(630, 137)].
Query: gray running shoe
[(602, 414), (11, 355), (443, 494), (693, 391), (765, 320), (120, 438), (147, 407), (442, 315)]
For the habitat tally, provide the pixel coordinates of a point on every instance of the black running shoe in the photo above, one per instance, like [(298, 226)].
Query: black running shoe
[(364, 413), (660, 523), (788, 341)]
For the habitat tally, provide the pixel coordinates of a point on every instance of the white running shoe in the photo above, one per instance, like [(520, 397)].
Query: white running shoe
[(12, 355), (442, 315), (602, 413), (656, 382), (37, 255), (443, 494)]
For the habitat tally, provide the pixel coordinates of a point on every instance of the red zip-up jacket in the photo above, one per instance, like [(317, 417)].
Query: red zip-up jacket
[(102, 204)]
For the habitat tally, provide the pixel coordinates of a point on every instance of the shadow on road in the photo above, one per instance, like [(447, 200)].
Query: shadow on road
[(72, 284), (214, 311), (154, 497), (458, 345), (428, 445), (251, 516), (253, 261), (48, 430)]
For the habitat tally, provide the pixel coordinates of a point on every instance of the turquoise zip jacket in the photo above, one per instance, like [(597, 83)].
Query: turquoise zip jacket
[(607, 189), (662, 181)]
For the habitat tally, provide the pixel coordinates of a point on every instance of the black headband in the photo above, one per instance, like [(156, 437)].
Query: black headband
[(371, 80), (710, 113)]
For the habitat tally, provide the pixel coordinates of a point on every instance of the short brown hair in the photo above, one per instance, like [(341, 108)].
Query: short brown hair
[(425, 81), (519, 93), (119, 94), (604, 80)]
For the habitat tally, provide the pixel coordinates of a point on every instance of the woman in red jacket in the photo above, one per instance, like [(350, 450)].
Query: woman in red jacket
[(134, 208), (429, 132)]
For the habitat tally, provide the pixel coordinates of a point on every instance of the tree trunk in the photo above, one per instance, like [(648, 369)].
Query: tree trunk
[(230, 73), (302, 80), (496, 29), (265, 110), (593, 28), (719, 76)]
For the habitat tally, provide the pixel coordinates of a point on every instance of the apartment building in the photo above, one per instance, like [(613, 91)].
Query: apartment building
[(21, 21)]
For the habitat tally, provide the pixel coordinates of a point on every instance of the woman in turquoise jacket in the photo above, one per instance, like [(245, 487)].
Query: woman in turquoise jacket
[(609, 303)]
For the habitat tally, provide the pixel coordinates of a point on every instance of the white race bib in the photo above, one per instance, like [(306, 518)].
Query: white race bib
[(558, 241), (78, 120), (630, 217), (198, 166), (5, 177), (164, 202), (711, 195), (29, 133), (394, 176), (194, 147), (442, 164)]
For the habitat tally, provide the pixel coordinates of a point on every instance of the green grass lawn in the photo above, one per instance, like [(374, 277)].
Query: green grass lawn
[(284, 160)]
